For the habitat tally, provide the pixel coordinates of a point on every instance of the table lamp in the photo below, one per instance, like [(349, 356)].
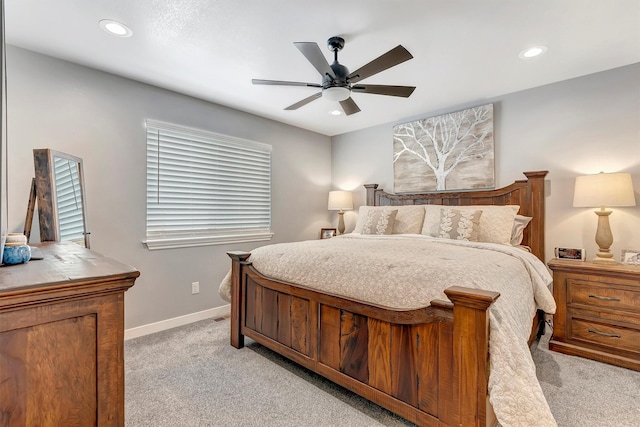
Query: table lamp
[(604, 189), (340, 201)]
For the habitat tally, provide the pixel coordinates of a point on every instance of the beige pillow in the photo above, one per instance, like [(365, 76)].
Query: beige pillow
[(520, 222), (496, 222), (459, 224), (408, 220), (379, 221)]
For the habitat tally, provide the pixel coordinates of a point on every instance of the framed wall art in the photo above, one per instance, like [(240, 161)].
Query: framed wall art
[(453, 151)]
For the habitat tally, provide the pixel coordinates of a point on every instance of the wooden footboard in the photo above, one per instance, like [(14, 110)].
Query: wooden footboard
[(429, 365)]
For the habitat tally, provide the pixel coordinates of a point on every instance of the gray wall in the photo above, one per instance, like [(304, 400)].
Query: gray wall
[(579, 126), (100, 117), (574, 127)]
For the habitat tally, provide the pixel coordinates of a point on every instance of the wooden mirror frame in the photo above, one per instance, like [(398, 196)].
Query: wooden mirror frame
[(4, 198), (44, 186)]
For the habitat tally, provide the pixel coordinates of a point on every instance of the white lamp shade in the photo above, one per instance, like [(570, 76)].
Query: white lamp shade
[(340, 200), (604, 189)]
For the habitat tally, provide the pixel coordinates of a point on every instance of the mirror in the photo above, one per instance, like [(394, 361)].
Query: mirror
[(59, 190)]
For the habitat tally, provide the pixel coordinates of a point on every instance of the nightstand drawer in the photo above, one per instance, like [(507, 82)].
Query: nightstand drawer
[(604, 334), (602, 295)]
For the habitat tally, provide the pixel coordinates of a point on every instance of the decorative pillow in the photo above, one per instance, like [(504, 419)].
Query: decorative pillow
[(520, 222), (496, 222), (408, 220), (459, 224), (379, 221)]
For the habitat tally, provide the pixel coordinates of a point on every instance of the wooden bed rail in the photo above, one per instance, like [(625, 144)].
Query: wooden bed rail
[(429, 365)]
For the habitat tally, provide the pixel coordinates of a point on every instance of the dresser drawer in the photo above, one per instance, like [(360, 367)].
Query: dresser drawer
[(602, 295), (609, 335)]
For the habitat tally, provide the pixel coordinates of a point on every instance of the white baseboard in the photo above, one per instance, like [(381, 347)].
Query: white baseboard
[(163, 325)]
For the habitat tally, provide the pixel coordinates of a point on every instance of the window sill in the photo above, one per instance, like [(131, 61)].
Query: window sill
[(192, 241)]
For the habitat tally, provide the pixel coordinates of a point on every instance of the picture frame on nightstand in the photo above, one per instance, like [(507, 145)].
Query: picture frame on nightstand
[(576, 254), (327, 233), (630, 256)]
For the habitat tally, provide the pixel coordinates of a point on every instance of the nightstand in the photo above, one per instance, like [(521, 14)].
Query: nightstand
[(598, 311)]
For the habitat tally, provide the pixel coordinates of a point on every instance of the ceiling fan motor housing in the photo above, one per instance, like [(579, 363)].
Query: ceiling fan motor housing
[(341, 72), (336, 87)]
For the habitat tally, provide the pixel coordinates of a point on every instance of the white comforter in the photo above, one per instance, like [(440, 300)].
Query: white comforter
[(409, 271)]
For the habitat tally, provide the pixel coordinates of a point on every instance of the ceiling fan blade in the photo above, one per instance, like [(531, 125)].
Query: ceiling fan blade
[(304, 101), (395, 56), (403, 91), (283, 83), (312, 52), (349, 106)]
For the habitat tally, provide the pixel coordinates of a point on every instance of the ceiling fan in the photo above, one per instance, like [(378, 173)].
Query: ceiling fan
[(338, 83)]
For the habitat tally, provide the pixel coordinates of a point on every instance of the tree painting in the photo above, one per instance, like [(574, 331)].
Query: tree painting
[(449, 152)]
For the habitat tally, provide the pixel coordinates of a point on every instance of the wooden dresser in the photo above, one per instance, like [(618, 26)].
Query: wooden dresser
[(62, 338), (598, 313)]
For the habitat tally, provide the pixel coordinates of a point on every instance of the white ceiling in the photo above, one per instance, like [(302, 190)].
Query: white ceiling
[(464, 51)]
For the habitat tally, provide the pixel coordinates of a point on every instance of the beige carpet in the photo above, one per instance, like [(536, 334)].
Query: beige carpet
[(190, 376)]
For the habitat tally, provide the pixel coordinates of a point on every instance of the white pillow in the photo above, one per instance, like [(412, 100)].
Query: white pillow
[(520, 222), (408, 220), (496, 222)]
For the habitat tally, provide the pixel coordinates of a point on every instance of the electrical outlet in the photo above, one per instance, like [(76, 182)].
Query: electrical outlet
[(195, 287)]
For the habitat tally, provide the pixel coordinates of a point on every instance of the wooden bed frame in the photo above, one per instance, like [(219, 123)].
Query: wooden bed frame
[(429, 365)]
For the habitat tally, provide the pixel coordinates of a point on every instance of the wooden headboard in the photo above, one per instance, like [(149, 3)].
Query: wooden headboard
[(528, 193)]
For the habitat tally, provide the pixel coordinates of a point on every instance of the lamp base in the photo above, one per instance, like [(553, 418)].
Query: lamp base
[(599, 260), (604, 239), (341, 226)]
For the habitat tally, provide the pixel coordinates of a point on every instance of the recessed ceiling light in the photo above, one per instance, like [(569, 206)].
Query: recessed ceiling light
[(533, 52), (115, 28), (335, 112)]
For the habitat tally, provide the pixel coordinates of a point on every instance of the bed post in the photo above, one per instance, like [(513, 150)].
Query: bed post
[(238, 258), (535, 194), (371, 194), (471, 352)]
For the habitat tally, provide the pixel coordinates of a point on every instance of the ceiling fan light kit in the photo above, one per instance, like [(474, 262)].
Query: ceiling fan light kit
[(336, 93), (337, 83)]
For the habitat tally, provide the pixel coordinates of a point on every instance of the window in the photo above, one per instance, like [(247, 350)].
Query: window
[(204, 188), (69, 200)]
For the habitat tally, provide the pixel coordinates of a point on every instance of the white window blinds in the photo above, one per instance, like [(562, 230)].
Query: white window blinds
[(68, 200), (204, 188)]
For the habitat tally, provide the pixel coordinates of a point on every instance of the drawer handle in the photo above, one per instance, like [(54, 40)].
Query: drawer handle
[(604, 298), (604, 334)]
